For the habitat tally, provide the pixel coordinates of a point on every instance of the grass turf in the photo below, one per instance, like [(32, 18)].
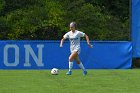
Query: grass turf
[(97, 81)]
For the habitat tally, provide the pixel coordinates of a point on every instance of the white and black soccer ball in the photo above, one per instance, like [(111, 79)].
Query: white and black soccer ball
[(54, 71)]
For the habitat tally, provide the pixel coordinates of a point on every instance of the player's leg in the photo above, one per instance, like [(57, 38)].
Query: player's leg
[(71, 57), (80, 64)]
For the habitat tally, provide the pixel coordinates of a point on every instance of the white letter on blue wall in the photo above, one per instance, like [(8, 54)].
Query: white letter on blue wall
[(16, 55), (29, 51)]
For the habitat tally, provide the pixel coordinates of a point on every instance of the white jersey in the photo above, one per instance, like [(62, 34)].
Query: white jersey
[(74, 40)]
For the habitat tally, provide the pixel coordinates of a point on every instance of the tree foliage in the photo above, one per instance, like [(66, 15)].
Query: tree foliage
[(49, 19)]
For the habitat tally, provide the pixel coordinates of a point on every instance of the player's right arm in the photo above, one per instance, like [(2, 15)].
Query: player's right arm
[(61, 43), (63, 39)]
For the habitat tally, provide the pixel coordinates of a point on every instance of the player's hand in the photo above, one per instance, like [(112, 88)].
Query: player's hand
[(61, 45), (91, 46)]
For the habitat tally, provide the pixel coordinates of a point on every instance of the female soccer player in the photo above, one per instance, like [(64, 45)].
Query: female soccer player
[(74, 36)]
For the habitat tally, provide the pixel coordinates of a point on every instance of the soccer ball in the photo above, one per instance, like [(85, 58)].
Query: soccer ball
[(54, 71)]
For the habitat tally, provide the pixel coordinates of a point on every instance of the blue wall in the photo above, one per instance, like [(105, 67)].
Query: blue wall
[(48, 54), (136, 27)]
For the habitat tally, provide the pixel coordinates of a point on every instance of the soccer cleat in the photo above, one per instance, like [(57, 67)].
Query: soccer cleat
[(85, 72), (69, 73)]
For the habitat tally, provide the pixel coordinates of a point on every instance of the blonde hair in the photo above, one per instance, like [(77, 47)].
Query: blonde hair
[(73, 24)]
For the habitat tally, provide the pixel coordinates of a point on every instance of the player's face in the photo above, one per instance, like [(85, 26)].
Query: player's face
[(72, 28)]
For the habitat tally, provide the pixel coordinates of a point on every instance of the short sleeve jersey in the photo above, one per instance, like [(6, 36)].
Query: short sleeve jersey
[(74, 39)]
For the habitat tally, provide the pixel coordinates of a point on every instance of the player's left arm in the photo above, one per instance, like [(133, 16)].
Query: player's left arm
[(88, 42)]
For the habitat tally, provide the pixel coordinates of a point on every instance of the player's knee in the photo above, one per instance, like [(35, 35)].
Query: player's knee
[(78, 62), (70, 59)]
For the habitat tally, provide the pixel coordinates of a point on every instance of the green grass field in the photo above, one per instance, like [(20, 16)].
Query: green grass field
[(97, 81)]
